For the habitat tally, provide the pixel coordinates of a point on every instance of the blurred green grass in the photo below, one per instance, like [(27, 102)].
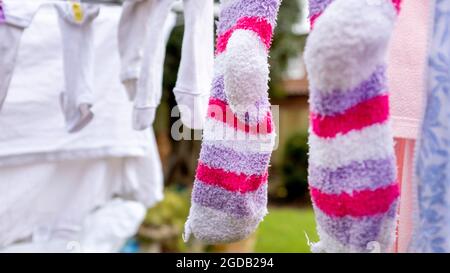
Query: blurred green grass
[(283, 231)]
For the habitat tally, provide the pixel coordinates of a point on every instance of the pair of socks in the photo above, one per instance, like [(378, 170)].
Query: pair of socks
[(142, 43), (352, 166), (75, 22), (229, 198)]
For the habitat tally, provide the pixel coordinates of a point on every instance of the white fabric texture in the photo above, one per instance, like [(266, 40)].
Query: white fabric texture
[(142, 67), (133, 29), (17, 17), (78, 59), (142, 43), (196, 68), (50, 180), (35, 126), (70, 202)]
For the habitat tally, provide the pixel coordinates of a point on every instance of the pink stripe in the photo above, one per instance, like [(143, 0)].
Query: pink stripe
[(257, 24), (219, 110), (228, 180), (370, 112), (358, 204)]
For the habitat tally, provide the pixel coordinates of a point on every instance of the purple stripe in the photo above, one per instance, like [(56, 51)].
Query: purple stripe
[(235, 203), (247, 8), (356, 232), (338, 101), (318, 6), (218, 88), (227, 159), (357, 176)]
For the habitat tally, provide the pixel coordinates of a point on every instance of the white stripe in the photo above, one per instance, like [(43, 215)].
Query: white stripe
[(218, 133), (374, 142)]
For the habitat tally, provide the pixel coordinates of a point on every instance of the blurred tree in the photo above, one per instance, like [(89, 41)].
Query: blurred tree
[(295, 167)]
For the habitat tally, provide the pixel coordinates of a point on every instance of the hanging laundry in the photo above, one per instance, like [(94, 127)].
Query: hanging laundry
[(229, 198), (15, 16), (432, 225), (352, 173), (142, 39), (142, 45), (133, 32), (75, 22), (59, 186)]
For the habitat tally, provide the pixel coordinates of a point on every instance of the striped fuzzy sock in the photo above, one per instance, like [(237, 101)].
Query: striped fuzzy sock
[(352, 172), (229, 197)]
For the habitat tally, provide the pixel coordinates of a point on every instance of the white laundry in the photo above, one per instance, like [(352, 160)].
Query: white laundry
[(196, 68), (50, 180), (149, 88), (78, 59), (16, 16), (69, 206)]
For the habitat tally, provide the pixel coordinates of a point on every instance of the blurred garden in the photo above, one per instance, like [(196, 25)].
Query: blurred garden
[(290, 220)]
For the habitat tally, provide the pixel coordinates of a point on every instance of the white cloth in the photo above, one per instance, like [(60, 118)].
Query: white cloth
[(142, 43), (32, 126), (78, 59), (133, 29), (71, 202), (142, 21), (149, 88), (50, 180), (196, 68), (17, 17)]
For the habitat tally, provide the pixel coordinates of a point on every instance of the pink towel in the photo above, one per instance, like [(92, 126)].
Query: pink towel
[(407, 59)]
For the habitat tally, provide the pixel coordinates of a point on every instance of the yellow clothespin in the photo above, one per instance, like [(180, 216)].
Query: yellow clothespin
[(77, 10)]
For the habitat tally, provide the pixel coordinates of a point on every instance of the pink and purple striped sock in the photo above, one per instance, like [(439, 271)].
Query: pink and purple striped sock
[(352, 172), (229, 197)]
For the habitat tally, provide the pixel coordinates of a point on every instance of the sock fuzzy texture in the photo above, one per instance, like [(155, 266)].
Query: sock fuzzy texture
[(229, 197), (352, 172)]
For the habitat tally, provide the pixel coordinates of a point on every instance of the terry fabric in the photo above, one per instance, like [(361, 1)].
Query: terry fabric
[(431, 232), (352, 171), (78, 59), (229, 198), (15, 17)]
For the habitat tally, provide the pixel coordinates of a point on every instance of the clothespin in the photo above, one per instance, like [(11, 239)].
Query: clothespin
[(2, 13), (77, 10)]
